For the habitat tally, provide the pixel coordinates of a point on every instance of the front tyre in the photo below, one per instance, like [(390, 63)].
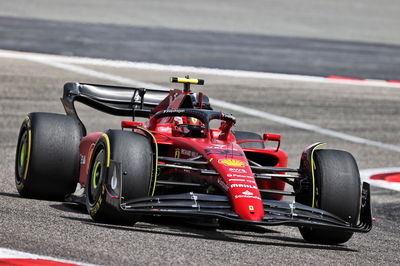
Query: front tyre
[(47, 156), (135, 154), (337, 190)]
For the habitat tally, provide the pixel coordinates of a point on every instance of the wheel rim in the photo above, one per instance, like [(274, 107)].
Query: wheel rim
[(96, 177), (23, 155), (96, 174)]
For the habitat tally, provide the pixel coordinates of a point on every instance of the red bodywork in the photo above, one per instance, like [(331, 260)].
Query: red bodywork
[(218, 147)]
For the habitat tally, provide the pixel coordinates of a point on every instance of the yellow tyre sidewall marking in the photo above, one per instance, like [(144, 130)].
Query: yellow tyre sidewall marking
[(105, 136), (97, 206), (28, 156), (314, 167), (99, 202)]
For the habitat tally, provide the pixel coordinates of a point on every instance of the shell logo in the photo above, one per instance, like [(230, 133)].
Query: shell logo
[(231, 162)]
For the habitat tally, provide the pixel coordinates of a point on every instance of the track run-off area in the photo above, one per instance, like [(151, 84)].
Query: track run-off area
[(360, 117)]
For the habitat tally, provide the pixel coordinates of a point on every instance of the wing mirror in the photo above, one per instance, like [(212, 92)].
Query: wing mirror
[(273, 137)]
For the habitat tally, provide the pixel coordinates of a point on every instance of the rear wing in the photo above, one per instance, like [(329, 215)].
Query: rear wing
[(114, 100)]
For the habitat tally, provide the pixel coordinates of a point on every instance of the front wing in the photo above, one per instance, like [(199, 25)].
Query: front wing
[(276, 212)]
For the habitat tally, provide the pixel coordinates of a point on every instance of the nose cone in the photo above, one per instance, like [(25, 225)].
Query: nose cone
[(248, 205), (238, 182)]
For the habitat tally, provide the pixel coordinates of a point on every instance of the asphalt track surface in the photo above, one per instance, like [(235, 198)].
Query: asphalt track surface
[(366, 21), (63, 230), (66, 231), (226, 50)]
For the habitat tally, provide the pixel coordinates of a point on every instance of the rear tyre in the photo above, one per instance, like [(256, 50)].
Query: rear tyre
[(47, 156), (337, 190), (246, 135), (135, 154)]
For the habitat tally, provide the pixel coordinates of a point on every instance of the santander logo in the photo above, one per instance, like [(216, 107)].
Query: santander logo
[(248, 193)]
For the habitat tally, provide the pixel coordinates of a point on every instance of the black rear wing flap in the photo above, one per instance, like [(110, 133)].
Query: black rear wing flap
[(114, 100)]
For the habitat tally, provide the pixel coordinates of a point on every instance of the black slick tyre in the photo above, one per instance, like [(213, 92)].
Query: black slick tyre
[(47, 156), (246, 135), (134, 152), (337, 190)]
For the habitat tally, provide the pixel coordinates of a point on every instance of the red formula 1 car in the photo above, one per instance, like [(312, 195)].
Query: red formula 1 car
[(175, 164)]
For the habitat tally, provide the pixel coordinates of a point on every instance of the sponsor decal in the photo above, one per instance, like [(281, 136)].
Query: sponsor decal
[(232, 162), (241, 180), (247, 193), (189, 153), (83, 159), (237, 180), (172, 111), (179, 152), (221, 146), (164, 129), (222, 184), (244, 186), (237, 170), (247, 197), (224, 152), (242, 176)]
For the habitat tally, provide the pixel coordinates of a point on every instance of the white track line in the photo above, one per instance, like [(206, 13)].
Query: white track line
[(189, 69), (302, 125), (53, 61)]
